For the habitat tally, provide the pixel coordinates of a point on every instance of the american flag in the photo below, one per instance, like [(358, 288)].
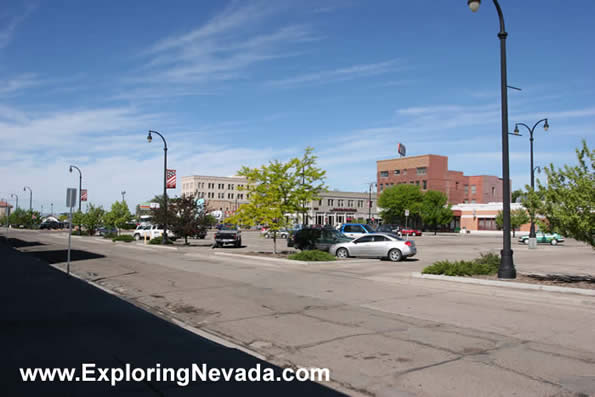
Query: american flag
[(83, 194), (170, 179)]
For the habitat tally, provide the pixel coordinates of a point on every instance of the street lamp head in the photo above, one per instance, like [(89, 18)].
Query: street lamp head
[(474, 4), (70, 169), (516, 130), (546, 126), (149, 137)]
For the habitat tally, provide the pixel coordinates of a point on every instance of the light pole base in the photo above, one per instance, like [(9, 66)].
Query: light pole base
[(532, 242), (506, 270)]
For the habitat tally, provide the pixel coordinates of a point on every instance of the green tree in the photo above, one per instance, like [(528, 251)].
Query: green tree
[(518, 217), (158, 214), (118, 216), (516, 194), (396, 199), (271, 193), (78, 218), (185, 219), (19, 217), (435, 209), (92, 218), (532, 203), (569, 196), (310, 181)]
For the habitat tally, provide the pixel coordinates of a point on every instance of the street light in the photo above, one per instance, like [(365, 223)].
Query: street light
[(506, 270), (30, 202), (546, 127), (149, 139), (370, 200), (17, 198), (80, 182), (123, 192)]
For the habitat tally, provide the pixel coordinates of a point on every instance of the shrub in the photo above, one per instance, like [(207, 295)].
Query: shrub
[(312, 256), (159, 240), (124, 237), (110, 236), (485, 264)]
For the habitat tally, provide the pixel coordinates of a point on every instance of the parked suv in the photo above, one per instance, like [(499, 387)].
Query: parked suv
[(355, 230), (315, 238), (150, 232), (228, 234)]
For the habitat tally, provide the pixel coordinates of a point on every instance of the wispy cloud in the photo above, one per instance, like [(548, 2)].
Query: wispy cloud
[(18, 83), (8, 28), (334, 75)]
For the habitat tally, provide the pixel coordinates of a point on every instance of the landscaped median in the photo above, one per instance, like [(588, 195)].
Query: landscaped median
[(483, 271)]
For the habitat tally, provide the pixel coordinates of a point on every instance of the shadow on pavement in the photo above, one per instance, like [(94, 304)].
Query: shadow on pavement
[(52, 321), (58, 256), (18, 243)]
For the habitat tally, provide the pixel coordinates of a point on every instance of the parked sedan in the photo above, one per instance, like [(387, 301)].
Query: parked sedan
[(376, 245), (408, 231), (106, 230), (543, 238), (281, 233)]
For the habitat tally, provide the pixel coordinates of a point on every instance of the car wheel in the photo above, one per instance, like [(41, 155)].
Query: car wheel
[(137, 237), (554, 242), (266, 235), (395, 255), (526, 241), (239, 244), (342, 253)]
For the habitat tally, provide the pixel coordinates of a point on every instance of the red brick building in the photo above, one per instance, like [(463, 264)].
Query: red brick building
[(430, 172)]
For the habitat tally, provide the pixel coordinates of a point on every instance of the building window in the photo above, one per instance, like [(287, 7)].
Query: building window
[(360, 203), (381, 186), (417, 183), (330, 202), (456, 185), (421, 170), (230, 186), (411, 182), (466, 190), (350, 203), (384, 174), (230, 195), (486, 224), (425, 185), (473, 190), (339, 203), (493, 191), (473, 201), (240, 196), (222, 186), (320, 203), (397, 172)]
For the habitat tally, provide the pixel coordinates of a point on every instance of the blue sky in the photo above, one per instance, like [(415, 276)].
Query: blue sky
[(232, 83)]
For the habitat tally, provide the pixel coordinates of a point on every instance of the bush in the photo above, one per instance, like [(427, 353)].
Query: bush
[(110, 236), (312, 256), (124, 237), (159, 240), (484, 265)]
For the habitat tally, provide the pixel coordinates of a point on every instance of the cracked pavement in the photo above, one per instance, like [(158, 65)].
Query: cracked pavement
[(379, 331)]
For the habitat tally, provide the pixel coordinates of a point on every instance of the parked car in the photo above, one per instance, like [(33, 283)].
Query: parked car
[(49, 225), (388, 228), (103, 230), (543, 238), (150, 232), (281, 233), (376, 245), (228, 234), (355, 230), (407, 231), (310, 238), (201, 233)]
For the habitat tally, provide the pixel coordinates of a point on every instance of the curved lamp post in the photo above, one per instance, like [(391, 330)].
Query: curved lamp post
[(80, 182), (546, 126), (149, 139), (506, 270), (370, 200), (17, 198)]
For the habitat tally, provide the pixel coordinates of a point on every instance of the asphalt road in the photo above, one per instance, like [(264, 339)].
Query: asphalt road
[(50, 320), (380, 331)]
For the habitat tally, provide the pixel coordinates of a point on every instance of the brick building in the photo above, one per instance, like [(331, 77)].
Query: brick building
[(430, 172)]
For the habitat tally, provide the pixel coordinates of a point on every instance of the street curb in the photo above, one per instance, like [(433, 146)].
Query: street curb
[(278, 260), (508, 284)]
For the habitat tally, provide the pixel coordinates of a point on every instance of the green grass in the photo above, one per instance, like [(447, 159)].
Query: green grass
[(124, 237), (312, 256), (484, 265), (159, 240)]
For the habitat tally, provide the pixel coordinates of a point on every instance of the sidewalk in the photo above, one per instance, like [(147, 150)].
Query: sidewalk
[(54, 321)]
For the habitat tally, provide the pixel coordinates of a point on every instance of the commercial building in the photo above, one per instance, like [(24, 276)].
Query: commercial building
[(481, 217), (222, 193), (430, 172), (335, 207), (5, 208)]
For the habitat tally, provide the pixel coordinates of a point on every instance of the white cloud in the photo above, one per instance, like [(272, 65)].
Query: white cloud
[(8, 28), (19, 83)]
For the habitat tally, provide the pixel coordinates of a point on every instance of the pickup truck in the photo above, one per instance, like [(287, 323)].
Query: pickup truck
[(355, 230), (150, 231), (228, 234)]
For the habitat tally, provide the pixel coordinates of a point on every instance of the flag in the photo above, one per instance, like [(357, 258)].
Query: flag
[(170, 179), (83, 194)]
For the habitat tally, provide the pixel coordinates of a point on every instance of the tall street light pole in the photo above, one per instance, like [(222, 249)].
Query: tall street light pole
[(370, 200), (123, 192), (80, 183), (17, 198), (30, 203), (506, 270), (150, 138), (546, 126)]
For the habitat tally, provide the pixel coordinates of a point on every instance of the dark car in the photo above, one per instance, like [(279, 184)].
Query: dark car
[(106, 230), (311, 238), (228, 234), (51, 225), (201, 233), (388, 228)]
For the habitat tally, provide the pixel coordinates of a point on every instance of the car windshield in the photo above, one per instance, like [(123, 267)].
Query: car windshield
[(229, 227), (336, 235), (396, 237), (369, 228)]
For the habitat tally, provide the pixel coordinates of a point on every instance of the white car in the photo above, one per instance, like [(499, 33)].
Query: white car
[(376, 245), (150, 232), (282, 233)]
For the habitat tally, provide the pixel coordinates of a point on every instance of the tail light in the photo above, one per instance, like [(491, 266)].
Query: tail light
[(408, 243)]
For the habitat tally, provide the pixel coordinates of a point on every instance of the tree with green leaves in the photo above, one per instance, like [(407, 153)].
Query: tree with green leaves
[(118, 216), (185, 219), (568, 198), (23, 217), (158, 214), (532, 203), (396, 199), (435, 209), (271, 196), (310, 181), (92, 218), (518, 218), (516, 194)]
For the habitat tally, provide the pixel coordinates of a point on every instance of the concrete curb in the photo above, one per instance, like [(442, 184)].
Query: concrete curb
[(508, 284), (278, 260)]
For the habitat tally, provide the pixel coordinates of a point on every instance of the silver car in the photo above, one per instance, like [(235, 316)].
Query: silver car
[(376, 245)]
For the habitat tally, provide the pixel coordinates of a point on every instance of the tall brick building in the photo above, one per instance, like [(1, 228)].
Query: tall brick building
[(430, 172)]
